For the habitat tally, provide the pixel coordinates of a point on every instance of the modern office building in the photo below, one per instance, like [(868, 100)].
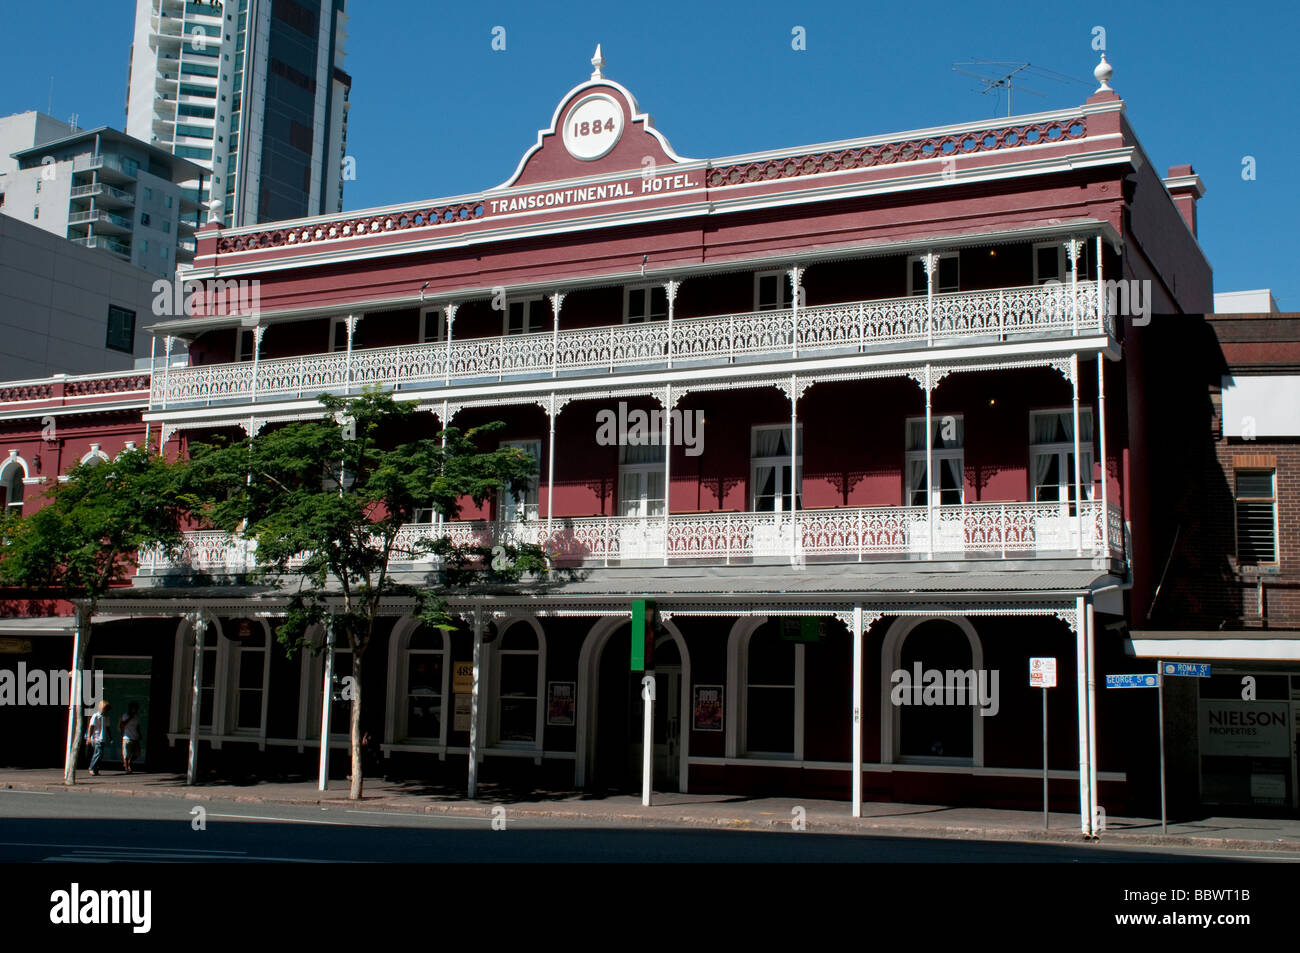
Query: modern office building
[(106, 190), (67, 309), (254, 91), (895, 395)]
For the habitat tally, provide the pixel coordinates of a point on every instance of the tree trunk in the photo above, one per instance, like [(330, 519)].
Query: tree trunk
[(79, 640), (355, 792)]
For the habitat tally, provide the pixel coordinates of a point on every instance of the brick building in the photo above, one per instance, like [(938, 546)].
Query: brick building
[(902, 389)]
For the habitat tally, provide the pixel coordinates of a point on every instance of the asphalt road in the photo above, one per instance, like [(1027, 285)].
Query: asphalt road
[(58, 827)]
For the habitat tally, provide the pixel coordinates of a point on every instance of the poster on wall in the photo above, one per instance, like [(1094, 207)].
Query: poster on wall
[(560, 698), (1253, 729), (707, 710)]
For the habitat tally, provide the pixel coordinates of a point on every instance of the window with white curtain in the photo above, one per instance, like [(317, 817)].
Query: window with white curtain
[(947, 437), (771, 483), (641, 479), (523, 504), (1051, 454)]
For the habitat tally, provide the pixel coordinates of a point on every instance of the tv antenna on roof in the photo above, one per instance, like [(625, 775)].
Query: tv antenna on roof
[(996, 75)]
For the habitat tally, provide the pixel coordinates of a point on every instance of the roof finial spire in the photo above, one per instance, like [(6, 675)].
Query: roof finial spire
[(1103, 72), (597, 63)]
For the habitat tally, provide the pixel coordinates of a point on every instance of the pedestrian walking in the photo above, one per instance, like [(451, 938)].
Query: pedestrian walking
[(98, 734), (130, 730)]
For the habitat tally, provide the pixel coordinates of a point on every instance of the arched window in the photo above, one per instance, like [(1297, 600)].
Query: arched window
[(233, 686), (423, 715), (11, 485), (94, 457), (932, 678), (517, 673), (766, 675), (312, 683), (249, 664)]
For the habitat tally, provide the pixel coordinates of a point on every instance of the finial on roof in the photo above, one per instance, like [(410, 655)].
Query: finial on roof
[(1103, 72), (597, 63)]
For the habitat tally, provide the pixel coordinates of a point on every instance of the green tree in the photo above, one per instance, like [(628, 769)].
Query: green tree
[(326, 501), (85, 539)]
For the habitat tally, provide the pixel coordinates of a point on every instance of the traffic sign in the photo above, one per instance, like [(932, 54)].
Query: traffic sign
[(1188, 669), (1042, 673), (1131, 681)]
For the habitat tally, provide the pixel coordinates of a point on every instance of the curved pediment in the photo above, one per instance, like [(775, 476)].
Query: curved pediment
[(596, 129)]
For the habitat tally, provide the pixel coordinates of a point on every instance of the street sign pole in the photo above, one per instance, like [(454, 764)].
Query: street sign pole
[(1160, 705), (1045, 820)]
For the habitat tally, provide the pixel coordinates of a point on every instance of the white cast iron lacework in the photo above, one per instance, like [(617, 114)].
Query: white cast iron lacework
[(967, 316)]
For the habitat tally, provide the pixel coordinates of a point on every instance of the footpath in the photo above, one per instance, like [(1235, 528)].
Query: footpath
[(676, 810)]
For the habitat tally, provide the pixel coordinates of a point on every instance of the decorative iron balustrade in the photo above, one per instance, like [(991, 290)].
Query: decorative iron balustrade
[(853, 327), (983, 530)]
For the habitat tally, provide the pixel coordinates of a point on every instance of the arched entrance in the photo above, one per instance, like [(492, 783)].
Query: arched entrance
[(610, 713)]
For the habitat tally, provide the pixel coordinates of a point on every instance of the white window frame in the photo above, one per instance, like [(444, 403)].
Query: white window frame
[(222, 660), (1064, 450), (533, 323), (643, 508), (399, 687), (779, 463), (937, 456), (13, 474), (912, 290), (647, 314), (530, 499), (312, 683), (439, 318), (782, 292), (335, 324), (494, 680), (736, 695)]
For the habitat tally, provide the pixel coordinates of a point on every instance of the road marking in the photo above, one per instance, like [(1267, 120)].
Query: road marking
[(448, 817), (286, 820)]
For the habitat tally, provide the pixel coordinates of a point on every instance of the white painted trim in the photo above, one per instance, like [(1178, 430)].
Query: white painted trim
[(1244, 647), (890, 652)]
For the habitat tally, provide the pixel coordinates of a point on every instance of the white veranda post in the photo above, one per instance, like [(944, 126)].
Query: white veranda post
[(326, 706), (199, 624)]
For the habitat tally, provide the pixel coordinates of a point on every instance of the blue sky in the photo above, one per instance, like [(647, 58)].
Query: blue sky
[(436, 111)]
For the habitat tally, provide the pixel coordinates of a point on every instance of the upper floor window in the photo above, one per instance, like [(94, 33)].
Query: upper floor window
[(11, 486), (947, 278), (245, 344), (121, 329), (946, 456), (1051, 263), (771, 482), (1051, 454), (771, 290), (1256, 517), (527, 317), (144, 218), (433, 325), (645, 303), (522, 504), (641, 480), (338, 334)]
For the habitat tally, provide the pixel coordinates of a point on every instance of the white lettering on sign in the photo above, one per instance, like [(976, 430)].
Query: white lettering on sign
[(590, 193)]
